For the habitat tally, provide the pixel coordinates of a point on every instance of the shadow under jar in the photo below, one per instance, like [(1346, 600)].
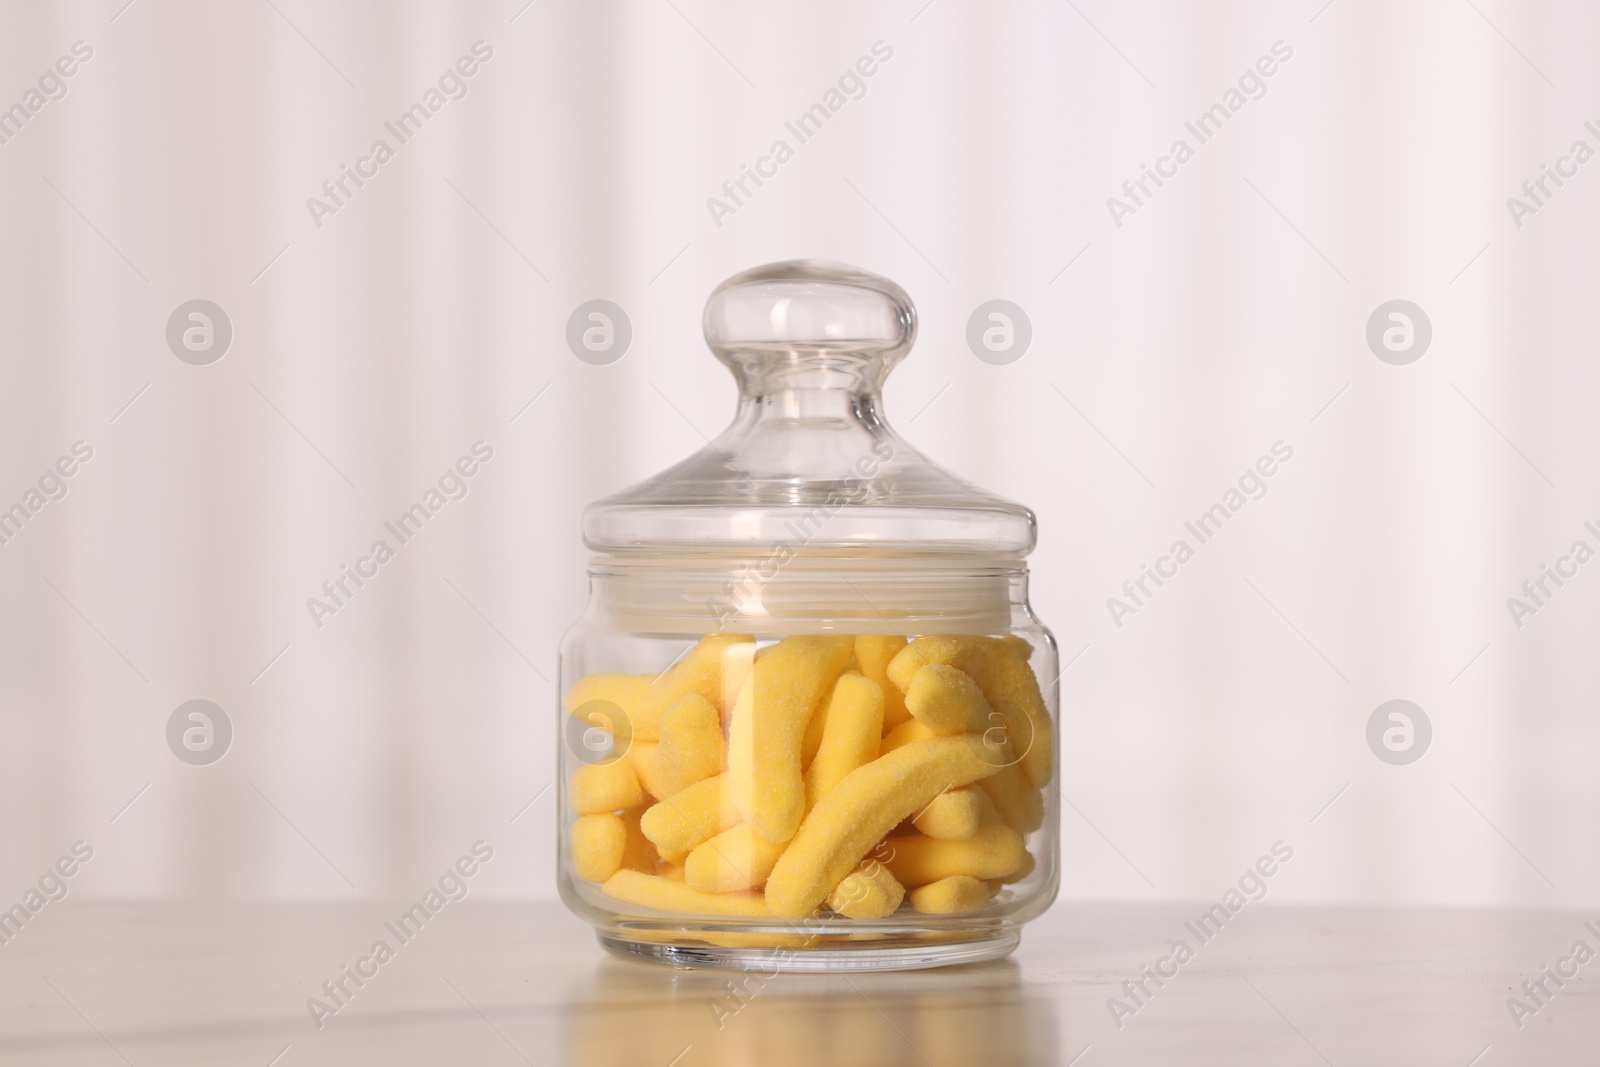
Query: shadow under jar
[(808, 717)]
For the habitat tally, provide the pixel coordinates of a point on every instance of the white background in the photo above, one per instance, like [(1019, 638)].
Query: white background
[(423, 316)]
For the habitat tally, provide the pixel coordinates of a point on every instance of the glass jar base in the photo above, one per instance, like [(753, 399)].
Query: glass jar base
[(820, 960)]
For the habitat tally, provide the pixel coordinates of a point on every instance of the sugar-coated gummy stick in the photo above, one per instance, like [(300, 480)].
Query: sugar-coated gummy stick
[(951, 896), (598, 787), (598, 844), (640, 853), (646, 698), (947, 701), (626, 691), (689, 818), (873, 654), (669, 894), (851, 734), (642, 754), (737, 659), (738, 858), (787, 683), (950, 816), (860, 810), (691, 747), (1019, 803), (1020, 873), (868, 892), (902, 735), (1005, 678), (994, 851)]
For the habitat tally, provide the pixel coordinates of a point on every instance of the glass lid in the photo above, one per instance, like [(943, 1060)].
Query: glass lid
[(809, 460)]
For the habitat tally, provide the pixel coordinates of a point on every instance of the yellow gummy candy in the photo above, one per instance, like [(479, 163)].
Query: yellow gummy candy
[(645, 698), (857, 812), (598, 787), (902, 735), (850, 738), (700, 671), (950, 816), (1021, 872), (691, 745), (873, 654), (626, 691), (1018, 645), (737, 659), (640, 853), (786, 684), (642, 755), (812, 739), (950, 896), (1019, 804), (994, 851), (669, 894), (598, 842), (1027, 816), (868, 892), (1006, 680), (737, 858), (689, 818), (947, 701)]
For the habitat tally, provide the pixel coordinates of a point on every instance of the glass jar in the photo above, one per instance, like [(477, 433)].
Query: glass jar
[(808, 716)]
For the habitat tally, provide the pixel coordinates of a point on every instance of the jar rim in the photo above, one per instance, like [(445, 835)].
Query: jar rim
[(809, 594)]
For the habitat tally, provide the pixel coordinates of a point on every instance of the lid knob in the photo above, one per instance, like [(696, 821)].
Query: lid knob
[(809, 344), (805, 306)]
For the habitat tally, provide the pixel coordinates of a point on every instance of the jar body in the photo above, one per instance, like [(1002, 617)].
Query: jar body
[(808, 764)]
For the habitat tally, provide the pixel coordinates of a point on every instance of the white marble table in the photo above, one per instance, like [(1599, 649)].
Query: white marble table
[(489, 983)]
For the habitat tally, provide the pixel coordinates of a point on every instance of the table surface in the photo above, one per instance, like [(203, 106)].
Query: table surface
[(493, 983)]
